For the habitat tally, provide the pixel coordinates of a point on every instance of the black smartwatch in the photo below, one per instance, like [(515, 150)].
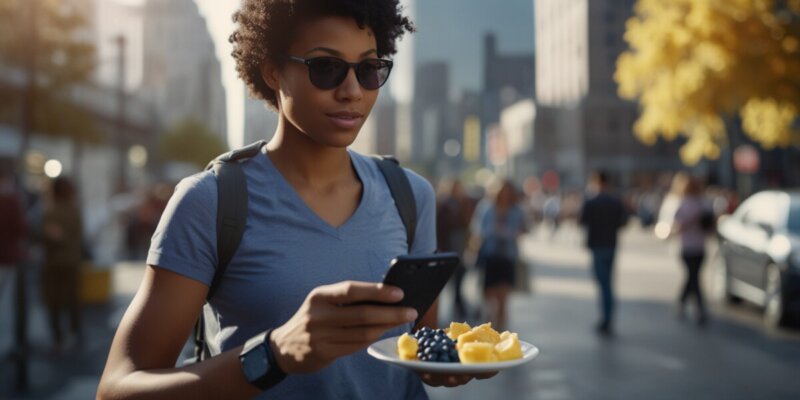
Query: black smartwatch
[(258, 363)]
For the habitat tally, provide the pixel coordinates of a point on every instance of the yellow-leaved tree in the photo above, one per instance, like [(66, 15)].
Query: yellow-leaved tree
[(692, 63)]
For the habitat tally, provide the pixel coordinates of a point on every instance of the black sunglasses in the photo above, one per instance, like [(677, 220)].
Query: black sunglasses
[(329, 72)]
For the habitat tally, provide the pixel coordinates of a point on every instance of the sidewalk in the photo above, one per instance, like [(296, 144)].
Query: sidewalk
[(73, 375)]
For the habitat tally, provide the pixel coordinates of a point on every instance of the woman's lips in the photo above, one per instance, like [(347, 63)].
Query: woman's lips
[(346, 120)]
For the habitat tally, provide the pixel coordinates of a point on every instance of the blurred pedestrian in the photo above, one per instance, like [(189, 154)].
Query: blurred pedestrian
[(669, 205), (603, 214), (497, 225), (62, 236), (691, 223), (552, 212), (12, 221), (453, 213)]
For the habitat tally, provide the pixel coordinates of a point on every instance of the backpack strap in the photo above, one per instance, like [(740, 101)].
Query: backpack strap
[(231, 222), (402, 194), (231, 205)]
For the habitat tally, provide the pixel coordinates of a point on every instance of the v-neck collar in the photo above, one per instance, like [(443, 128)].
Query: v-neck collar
[(338, 232)]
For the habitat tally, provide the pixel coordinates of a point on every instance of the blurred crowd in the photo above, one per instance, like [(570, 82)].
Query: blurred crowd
[(475, 221), (45, 235)]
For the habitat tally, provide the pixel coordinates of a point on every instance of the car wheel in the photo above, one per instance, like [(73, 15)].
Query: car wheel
[(774, 310), (721, 288)]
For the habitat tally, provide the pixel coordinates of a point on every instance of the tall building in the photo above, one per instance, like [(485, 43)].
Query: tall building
[(114, 19), (581, 123), (181, 72), (507, 78), (431, 112), (259, 121)]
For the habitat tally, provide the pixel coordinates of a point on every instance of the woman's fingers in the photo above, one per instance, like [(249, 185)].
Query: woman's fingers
[(369, 315), (445, 380), (356, 292)]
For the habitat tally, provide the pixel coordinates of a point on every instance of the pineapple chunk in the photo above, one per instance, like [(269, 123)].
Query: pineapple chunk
[(509, 348), (407, 347), (476, 352), (486, 334), (467, 337), (456, 329)]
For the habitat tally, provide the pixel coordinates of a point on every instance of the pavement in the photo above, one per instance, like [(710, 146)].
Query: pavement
[(652, 355), (59, 375)]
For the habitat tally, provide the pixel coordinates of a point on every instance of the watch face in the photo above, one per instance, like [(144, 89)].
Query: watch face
[(255, 364)]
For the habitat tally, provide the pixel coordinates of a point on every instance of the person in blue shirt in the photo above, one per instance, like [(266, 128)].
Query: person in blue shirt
[(321, 230), (497, 225)]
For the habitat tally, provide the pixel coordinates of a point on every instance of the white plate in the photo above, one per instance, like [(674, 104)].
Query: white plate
[(386, 350)]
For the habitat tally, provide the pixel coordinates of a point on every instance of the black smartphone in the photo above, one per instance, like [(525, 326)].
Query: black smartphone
[(422, 278)]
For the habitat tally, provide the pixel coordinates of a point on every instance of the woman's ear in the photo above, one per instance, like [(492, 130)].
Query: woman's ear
[(269, 73)]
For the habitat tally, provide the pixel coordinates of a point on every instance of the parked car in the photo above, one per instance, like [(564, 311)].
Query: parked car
[(759, 258)]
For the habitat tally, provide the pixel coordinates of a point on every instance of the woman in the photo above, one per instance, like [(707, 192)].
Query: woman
[(688, 224), (498, 224), (62, 233), (321, 231)]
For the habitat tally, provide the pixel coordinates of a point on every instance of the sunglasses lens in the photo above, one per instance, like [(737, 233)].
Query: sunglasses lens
[(327, 72), (372, 74)]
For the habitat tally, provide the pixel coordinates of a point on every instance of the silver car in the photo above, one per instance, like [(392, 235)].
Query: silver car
[(759, 258)]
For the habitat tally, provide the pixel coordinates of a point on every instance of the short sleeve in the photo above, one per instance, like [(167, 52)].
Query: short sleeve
[(425, 236), (185, 240)]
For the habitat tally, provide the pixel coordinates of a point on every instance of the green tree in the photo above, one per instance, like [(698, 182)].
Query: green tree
[(192, 142), (48, 41), (692, 63)]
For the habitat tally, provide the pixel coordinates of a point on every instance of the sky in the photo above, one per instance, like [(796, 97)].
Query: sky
[(218, 17)]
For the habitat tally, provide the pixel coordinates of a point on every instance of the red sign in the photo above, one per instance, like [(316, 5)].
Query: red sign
[(746, 159)]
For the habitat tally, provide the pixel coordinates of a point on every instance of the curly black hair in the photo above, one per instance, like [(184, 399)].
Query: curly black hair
[(266, 28)]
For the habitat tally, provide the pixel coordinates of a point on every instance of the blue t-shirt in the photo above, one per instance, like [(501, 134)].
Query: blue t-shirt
[(288, 250), (498, 239)]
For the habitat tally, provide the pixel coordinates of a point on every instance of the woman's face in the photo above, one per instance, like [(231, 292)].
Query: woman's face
[(329, 117)]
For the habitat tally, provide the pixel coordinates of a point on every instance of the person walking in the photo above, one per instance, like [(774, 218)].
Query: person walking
[(602, 215), (453, 213), (497, 225), (296, 305), (13, 223), (689, 225), (62, 236)]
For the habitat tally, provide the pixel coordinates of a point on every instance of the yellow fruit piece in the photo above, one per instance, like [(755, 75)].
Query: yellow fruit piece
[(476, 352), (509, 348), (407, 347), (467, 337), (486, 334), (505, 335), (457, 328)]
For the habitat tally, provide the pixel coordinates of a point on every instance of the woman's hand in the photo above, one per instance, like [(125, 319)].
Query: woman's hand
[(329, 325), (450, 380)]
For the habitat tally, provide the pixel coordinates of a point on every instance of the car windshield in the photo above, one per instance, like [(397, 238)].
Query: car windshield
[(794, 217)]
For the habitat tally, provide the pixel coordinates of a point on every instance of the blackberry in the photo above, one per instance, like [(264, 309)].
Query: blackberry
[(435, 346)]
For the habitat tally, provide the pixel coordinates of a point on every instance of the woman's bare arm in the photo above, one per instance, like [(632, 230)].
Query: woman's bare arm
[(141, 362)]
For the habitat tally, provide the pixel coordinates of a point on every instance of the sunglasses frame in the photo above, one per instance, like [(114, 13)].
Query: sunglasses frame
[(354, 66)]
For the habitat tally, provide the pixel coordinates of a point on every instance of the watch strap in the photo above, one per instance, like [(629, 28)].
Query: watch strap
[(274, 373)]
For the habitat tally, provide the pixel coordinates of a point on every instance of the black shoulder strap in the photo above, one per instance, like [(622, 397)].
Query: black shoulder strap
[(401, 192), (231, 205), (231, 222)]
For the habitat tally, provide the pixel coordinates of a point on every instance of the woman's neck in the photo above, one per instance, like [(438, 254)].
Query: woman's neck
[(304, 162)]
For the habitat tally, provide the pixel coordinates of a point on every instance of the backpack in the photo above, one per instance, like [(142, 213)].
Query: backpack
[(232, 216)]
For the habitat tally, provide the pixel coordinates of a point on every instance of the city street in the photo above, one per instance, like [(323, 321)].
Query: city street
[(653, 355)]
